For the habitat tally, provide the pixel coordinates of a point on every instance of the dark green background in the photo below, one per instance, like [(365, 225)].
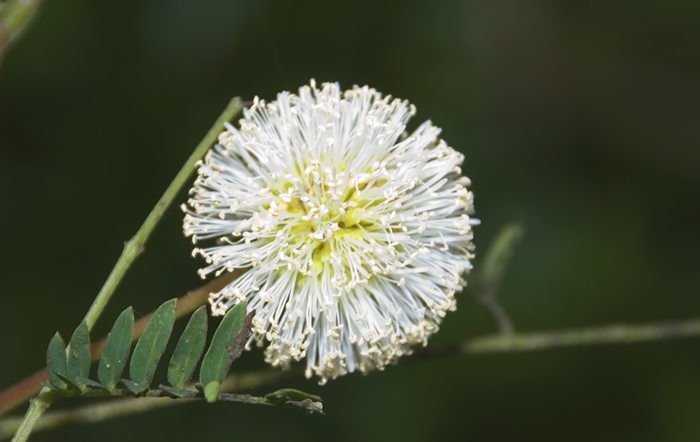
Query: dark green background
[(580, 118)]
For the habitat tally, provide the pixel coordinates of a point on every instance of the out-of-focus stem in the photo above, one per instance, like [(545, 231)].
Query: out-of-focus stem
[(612, 334)]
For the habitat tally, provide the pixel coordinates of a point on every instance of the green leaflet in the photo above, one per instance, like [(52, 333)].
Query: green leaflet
[(91, 383), (79, 355), (220, 355), (116, 350), (189, 349), (72, 383), (152, 344), (56, 361), (135, 388)]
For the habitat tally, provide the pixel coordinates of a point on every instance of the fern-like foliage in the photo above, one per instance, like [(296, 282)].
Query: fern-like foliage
[(69, 366)]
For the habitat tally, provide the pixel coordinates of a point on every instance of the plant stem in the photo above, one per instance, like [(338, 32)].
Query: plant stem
[(310, 406), (515, 343), (36, 408), (125, 406), (485, 284), (612, 334), (489, 302), (135, 246), (132, 250)]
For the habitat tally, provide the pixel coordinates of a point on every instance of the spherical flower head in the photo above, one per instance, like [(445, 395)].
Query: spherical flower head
[(354, 235)]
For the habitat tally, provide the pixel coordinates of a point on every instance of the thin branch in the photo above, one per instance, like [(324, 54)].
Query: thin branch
[(29, 387), (308, 405), (515, 343), (132, 250), (493, 307), (486, 283), (619, 334), (135, 246), (612, 334), (122, 407)]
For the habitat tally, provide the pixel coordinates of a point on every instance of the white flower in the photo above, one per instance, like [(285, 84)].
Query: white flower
[(355, 234)]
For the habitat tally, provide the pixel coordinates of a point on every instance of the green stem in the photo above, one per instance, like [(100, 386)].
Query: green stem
[(311, 406), (132, 250), (36, 408), (485, 284), (612, 334), (125, 406), (135, 246), (500, 317)]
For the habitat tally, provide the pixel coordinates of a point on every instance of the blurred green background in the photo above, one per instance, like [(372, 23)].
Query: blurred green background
[(580, 118)]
